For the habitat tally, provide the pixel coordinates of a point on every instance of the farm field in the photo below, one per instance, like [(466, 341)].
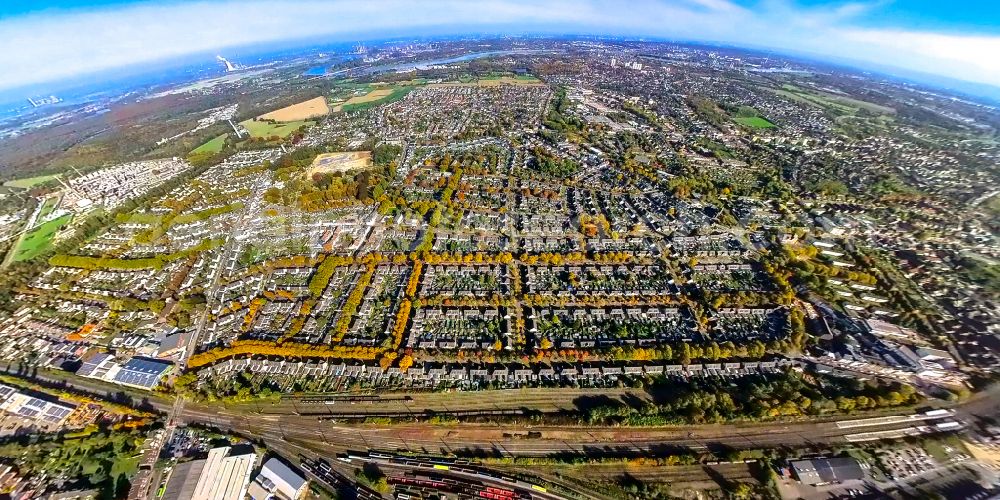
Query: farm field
[(267, 129), (213, 146), (38, 239), (753, 121), (839, 103), (340, 162), (510, 80), (302, 111), (373, 96), (529, 81), (29, 182)]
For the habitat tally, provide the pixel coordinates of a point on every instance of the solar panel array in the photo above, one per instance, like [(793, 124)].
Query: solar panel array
[(142, 372), (44, 410), (31, 408), (6, 391), (55, 413)]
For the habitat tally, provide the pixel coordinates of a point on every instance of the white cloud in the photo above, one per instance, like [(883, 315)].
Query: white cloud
[(48, 46), (972, 58)]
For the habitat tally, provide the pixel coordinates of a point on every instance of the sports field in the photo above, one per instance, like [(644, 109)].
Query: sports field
[(753, 122), (38, 239), (340, 162), (213, 146), (302, 111), (268, 129), (30, 181)]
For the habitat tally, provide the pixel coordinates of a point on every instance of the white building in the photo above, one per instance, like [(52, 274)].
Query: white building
[(277, 480)]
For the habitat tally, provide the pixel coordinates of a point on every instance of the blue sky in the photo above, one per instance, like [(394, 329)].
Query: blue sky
[(44, 40)]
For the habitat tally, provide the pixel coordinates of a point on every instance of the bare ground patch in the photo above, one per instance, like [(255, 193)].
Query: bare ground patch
[(301, 111)]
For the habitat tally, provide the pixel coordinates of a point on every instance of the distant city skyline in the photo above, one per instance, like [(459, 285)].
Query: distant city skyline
[(47, 41)]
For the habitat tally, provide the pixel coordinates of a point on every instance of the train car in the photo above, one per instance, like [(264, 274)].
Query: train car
[(539, 488), (949, 425), (501, 491)]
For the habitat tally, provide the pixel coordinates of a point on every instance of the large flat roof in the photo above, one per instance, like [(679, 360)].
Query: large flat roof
[(828, 470)]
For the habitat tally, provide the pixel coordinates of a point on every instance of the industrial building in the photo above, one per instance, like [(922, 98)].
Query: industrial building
[(277, 480), (221, 476), (827, 470)]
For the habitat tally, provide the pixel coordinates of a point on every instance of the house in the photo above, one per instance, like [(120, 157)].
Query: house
[(27, 406), (171, 345), (935, 357), (100, 365)]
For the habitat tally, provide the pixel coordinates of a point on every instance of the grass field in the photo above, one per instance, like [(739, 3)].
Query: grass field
[(937, 447), (268, 129), (395, 94), (340, 162), (528, 81), (753, 122), (412, 82), (48, 206), (835, 102), (993, 204), (38, 239), (213, 146), (372, 96), (30, 181), (510, 80), (302, 111)]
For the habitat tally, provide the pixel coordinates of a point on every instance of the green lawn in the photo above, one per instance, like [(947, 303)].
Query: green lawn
[(30, 181), (753, 122), (397, 94), (265, 129), (38, 239), (139, 218), (213, 146), (48, 207), (993, 204), (935, 447)]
